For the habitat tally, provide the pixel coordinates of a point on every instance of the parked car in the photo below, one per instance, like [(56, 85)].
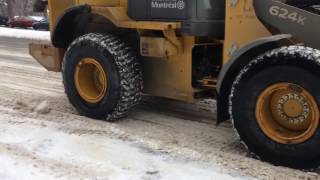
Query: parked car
[(21, 21), (41, 25), (4, 21)]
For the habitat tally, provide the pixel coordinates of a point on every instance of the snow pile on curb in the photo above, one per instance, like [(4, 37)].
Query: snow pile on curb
[(24, 34)]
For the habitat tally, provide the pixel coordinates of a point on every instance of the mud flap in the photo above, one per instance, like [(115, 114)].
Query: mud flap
[(48, 56)]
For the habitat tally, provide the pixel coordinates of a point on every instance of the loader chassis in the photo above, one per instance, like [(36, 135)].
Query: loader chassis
[(168, 68), (234, 51)]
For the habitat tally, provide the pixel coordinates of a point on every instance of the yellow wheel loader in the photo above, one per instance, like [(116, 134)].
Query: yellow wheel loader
[(259, 59)]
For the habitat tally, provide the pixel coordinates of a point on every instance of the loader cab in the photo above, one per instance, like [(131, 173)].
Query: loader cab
[(198, 17)]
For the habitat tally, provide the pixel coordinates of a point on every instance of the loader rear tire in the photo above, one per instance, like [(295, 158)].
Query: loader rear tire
[(102, 77), (274, 106)]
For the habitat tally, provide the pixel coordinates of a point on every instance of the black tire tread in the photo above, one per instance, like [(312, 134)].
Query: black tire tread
[(128, 67), (292, 53)]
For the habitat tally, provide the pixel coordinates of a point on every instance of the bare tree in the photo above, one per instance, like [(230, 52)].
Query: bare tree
[(3, 7), (10, 8), (13, 8), (40, 5)]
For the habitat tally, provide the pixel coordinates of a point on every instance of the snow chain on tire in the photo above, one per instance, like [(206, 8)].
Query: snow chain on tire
[(128, 66), (309, 55)]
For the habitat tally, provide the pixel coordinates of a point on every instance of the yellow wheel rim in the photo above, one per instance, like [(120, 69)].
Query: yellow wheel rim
[(287, 113), (90, 80)]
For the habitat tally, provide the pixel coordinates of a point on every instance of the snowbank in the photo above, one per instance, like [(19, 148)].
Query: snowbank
[(47, 153), (25, 34)]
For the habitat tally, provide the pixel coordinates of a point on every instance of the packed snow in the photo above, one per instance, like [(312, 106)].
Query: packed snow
[(98, 157)]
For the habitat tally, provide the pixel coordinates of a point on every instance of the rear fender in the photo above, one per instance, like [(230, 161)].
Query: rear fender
[(70, 25)]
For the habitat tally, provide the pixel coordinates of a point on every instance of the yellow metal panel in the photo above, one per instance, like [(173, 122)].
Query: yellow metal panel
[(171, 77), (242, 26), (157, 47)]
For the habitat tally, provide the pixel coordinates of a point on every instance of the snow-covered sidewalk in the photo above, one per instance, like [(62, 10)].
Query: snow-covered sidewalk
[(24, 34)]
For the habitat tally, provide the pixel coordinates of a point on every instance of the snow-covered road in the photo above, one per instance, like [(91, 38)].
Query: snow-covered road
[(43, 137), (33, 149), (24, 33)]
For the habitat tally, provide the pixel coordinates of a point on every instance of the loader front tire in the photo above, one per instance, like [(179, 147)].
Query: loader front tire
[(274, 106), (102, 76)]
